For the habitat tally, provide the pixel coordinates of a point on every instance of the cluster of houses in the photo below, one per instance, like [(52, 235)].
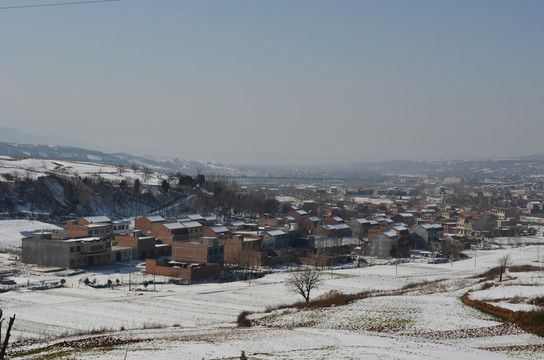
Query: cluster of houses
[(195, 247)]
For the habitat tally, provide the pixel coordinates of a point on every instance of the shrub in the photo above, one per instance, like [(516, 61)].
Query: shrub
[(532, 321), (538, 301), (490, 274), (242, 319), (524, 268)]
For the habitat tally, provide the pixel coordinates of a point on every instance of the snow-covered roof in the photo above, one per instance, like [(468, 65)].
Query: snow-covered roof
[(431, 226), (336, 226), (383, 219), (289, 217), (155, 218), (406, 215), (390, 233), (275, 232), (362, 221), (401, 228), (195, 217), (302, 212), (97, 219), (174, 225), (191, 224), (237, 223), (338, 218), (313, 218), (219, 229)]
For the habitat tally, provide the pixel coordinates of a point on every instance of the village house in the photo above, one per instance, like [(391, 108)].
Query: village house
[(143, 245), (359, 227), (42, 249), (205, 250), (297, 213), (249, 252), (275, 239), (219, 231), (336, 230), (194, 228), (384, 244), (100, 226), (309, 225), (271, 222), (333, 220), (170, 232), (187, 272), (146, 223), (424, 235), (408, 218)]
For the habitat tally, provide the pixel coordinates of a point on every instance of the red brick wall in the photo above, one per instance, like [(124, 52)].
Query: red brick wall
[(75, 231), (190, 275), (190, 252), (126, 240), (143, 224)]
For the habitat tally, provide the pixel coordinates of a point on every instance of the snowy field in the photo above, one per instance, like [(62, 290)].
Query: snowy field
[(12, 231), (167, 321)]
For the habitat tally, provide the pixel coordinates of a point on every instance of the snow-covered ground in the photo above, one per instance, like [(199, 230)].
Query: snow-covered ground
[(166, 321), (12, 231)]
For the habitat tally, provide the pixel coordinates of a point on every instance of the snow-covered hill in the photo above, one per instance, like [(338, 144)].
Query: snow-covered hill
[(55, 190), (74, 154)]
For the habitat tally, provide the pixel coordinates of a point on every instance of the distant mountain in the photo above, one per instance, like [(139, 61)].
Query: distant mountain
[(156, 163)]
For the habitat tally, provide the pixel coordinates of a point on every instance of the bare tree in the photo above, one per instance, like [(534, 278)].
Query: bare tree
[(8, 332), (303, 282), (504, 261)]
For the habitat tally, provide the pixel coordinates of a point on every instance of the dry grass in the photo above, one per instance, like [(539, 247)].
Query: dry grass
[(538, 301), (524, 268)]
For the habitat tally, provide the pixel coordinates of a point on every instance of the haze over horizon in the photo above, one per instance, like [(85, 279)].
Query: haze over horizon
[(313, 82)]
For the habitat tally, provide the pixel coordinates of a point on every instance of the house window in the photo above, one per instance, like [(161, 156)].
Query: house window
[(78, 248), (72, 249)]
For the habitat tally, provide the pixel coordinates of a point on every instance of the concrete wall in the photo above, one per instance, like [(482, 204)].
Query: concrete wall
[(52, 253)]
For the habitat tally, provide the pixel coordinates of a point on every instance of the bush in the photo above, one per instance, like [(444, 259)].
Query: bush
[(532, 321), (242, 319), (538, 301), (524, 268), (490, 274)]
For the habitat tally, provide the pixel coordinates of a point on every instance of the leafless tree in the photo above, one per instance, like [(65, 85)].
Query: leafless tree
[(504, 261), (303, 282), (8, 332)]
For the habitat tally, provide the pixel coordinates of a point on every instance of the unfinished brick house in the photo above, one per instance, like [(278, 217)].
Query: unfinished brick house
[(206, 250), (190, 273), (248, 251), (309, 225), (100, 226), (146, 223), (168, 233), (219, 231), (144, 245)]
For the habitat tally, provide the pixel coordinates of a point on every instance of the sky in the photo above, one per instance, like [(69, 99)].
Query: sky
[(278, 82)]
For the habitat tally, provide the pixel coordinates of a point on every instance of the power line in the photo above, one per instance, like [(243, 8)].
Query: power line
[(54, 4)]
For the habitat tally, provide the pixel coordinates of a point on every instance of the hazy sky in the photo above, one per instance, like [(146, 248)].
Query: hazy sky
[(279, 81)]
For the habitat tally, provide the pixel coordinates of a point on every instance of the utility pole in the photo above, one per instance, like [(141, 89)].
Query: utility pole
[(130, 272)]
